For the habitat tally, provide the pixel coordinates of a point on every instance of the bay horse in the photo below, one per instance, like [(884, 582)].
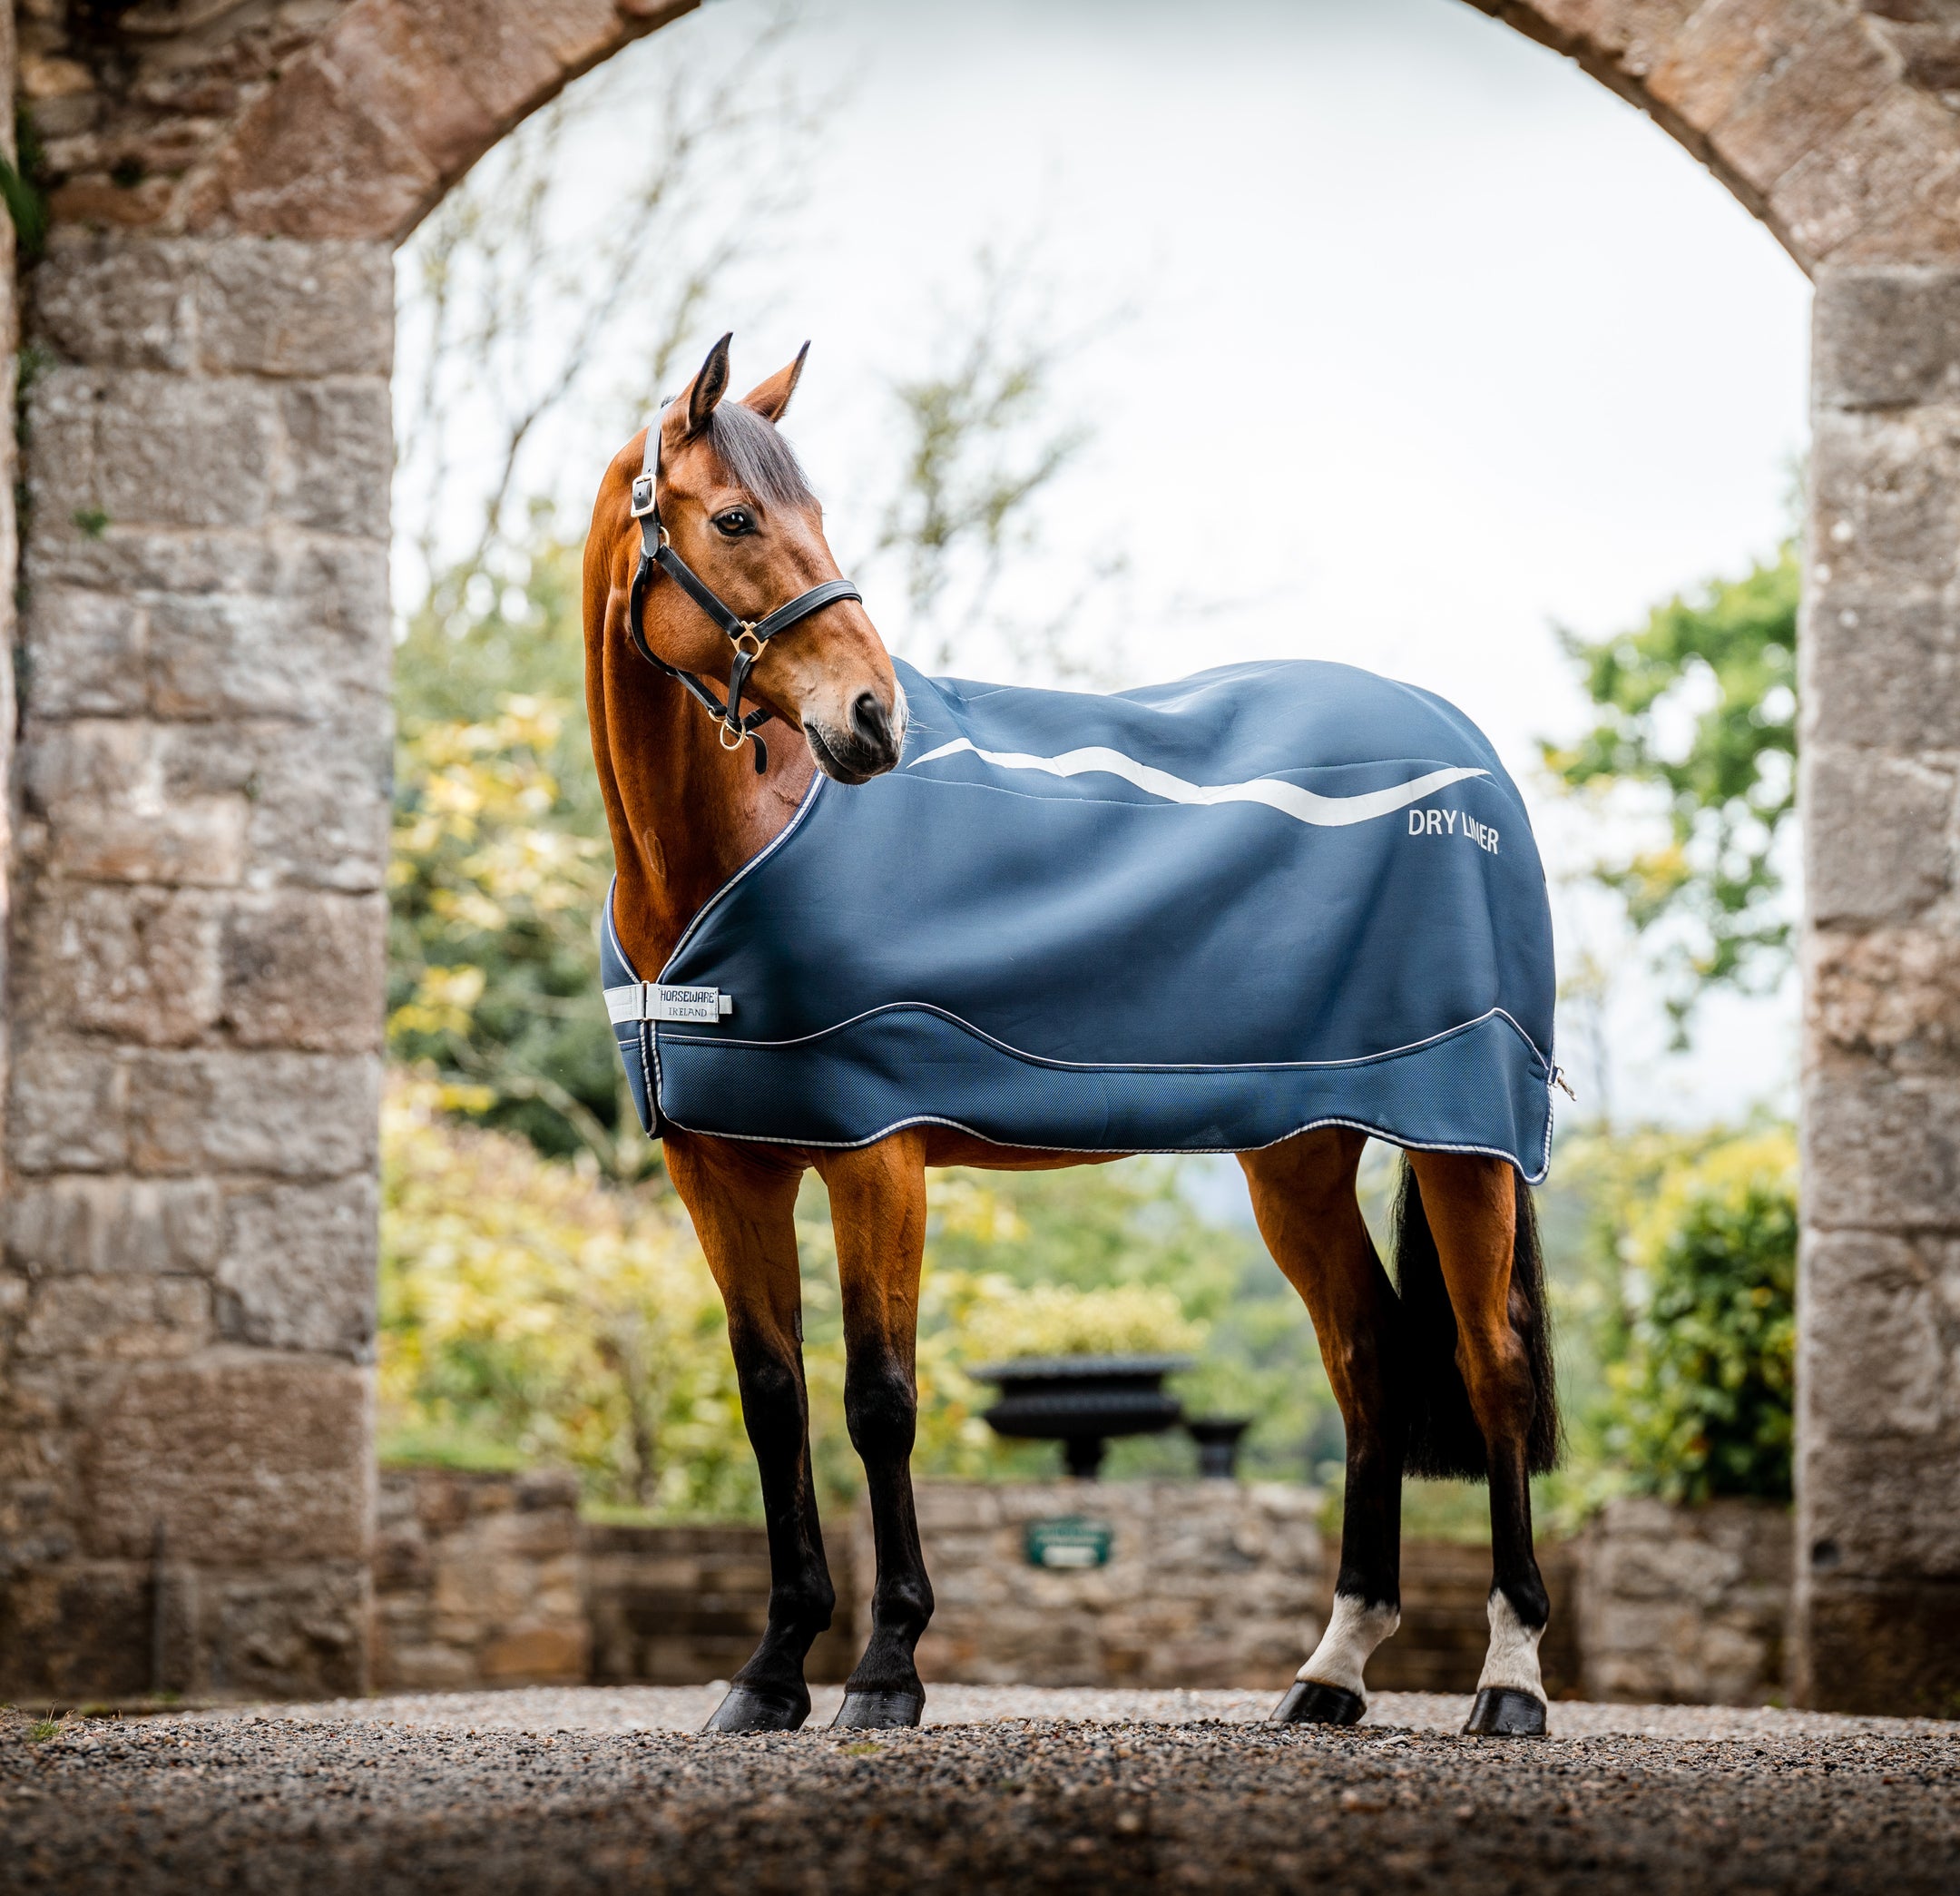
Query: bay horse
[(707, 582)]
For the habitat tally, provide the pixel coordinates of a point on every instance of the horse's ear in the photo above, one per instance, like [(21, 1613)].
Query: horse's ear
[(769, 398), (709, 387)]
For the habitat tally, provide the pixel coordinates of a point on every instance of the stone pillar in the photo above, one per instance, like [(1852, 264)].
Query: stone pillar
[(186, 1478), (1877, 1621)]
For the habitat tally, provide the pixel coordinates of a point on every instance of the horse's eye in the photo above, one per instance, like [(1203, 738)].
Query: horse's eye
[(736, 522)]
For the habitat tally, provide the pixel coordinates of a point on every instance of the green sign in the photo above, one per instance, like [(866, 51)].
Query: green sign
[(1071, 1541)]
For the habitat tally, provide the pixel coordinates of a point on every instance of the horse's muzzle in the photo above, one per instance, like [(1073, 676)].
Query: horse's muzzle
[(869, 748)]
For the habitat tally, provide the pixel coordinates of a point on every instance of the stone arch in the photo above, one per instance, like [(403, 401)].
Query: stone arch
[(199, 824)]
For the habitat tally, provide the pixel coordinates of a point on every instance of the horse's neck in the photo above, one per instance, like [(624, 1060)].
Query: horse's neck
[(686, 814)]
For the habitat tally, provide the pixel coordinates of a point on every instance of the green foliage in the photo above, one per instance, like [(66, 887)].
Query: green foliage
[(500, 863), (1056, 1320), (1698, 716), (529, 1314), (1700, 1349)]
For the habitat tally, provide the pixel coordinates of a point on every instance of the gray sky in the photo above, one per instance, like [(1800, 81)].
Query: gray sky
[(1433, 342)]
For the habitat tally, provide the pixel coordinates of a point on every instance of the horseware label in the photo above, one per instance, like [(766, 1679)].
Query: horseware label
[(648, 1000)]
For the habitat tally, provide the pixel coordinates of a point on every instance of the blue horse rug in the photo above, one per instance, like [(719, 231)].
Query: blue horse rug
[(1199, 917)]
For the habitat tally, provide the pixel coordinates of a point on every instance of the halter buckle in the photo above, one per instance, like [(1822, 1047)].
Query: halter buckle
[(642, 495), (725, 731), (754, 648)]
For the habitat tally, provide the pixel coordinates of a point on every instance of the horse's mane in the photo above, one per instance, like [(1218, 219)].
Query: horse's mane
[(756, 458)]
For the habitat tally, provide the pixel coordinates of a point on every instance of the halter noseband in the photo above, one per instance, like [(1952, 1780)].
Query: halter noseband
[(746, 635)]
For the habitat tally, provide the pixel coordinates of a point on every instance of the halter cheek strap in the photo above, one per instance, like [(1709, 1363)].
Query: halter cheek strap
[(746, 635)]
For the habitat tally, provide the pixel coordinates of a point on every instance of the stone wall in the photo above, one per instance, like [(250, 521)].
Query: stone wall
[(196, 986), (1879, 1314), (678, 1606), (487, 1580), (1685, 1605), (479, 1580), (1208, 1583)]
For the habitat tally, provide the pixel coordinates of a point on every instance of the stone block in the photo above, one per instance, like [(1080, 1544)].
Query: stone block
[(1883, 190), (132, 558), (283, 1115), (1880, 1154), (1892, 994), (1879, 1509), (1770, 80), (154, 450), (535, 1656), (298, 1629), (1878, 1646), (231, 655), (1881, 668), (320, 804), (1886, 336), (1878, 847), (274, 307), (1883, 1355), (111, 302), (339, 456), (67, 1108), (137, 965), (107, 801), (312, 159), (103, 1227), (297, 1271), (76, 1632), (305, 968), (1887, 493), (84, 654), (120, 1319), (248, 1459), (1634, 34)]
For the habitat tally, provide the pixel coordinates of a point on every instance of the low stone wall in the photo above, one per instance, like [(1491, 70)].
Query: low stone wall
[(676, 1605), (479, 1580), (491, 1580), (1685, 1605), (1208, 1583)]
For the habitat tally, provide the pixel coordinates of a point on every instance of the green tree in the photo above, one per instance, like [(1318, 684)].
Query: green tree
[(1700, 1343), (1696, 723)]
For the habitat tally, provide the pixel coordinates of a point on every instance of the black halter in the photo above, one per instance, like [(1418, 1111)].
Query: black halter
[(746, 635)]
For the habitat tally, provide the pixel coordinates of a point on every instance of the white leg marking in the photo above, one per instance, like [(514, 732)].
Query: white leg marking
[(1353, 1631), (1513, 1659)]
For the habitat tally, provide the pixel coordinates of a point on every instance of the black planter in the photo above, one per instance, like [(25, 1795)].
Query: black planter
[(1216, 1437), (1081, 1401)]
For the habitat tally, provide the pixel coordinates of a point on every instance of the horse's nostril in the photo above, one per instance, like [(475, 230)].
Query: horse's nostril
[(871, 722)]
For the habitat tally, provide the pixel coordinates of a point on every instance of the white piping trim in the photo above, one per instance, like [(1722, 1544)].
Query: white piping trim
[(946, 1013), (817, 780), (1304, 806)]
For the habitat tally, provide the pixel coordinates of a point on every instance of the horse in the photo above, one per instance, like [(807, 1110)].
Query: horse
[(709, 583)]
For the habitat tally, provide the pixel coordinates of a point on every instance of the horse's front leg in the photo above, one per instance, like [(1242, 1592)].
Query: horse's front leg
[(878, 1211), (743, 1204)]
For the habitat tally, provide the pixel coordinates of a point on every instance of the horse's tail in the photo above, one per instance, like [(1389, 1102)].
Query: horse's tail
[(1444, 1440)]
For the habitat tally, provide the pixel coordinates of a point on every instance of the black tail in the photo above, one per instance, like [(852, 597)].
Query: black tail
[(1444, 1440)]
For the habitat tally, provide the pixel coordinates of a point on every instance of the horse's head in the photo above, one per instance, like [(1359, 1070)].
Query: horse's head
[(737, 508)]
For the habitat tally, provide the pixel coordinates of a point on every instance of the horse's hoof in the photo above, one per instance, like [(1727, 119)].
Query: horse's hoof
[(744, 1710), (1503, 1712), (878, 1711), (1311, 1703)]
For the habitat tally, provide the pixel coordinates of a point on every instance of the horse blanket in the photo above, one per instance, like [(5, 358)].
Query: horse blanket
[(1198, 917)]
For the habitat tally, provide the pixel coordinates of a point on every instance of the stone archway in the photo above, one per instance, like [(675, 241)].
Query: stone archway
[(200, 821)]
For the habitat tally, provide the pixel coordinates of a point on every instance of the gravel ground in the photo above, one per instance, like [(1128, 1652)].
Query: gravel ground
[(1008, 1789)]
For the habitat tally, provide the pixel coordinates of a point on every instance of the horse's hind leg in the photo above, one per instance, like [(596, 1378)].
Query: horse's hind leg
[(1303, 1193), (743, 1204), (1471, 1205), (878, 1211)]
